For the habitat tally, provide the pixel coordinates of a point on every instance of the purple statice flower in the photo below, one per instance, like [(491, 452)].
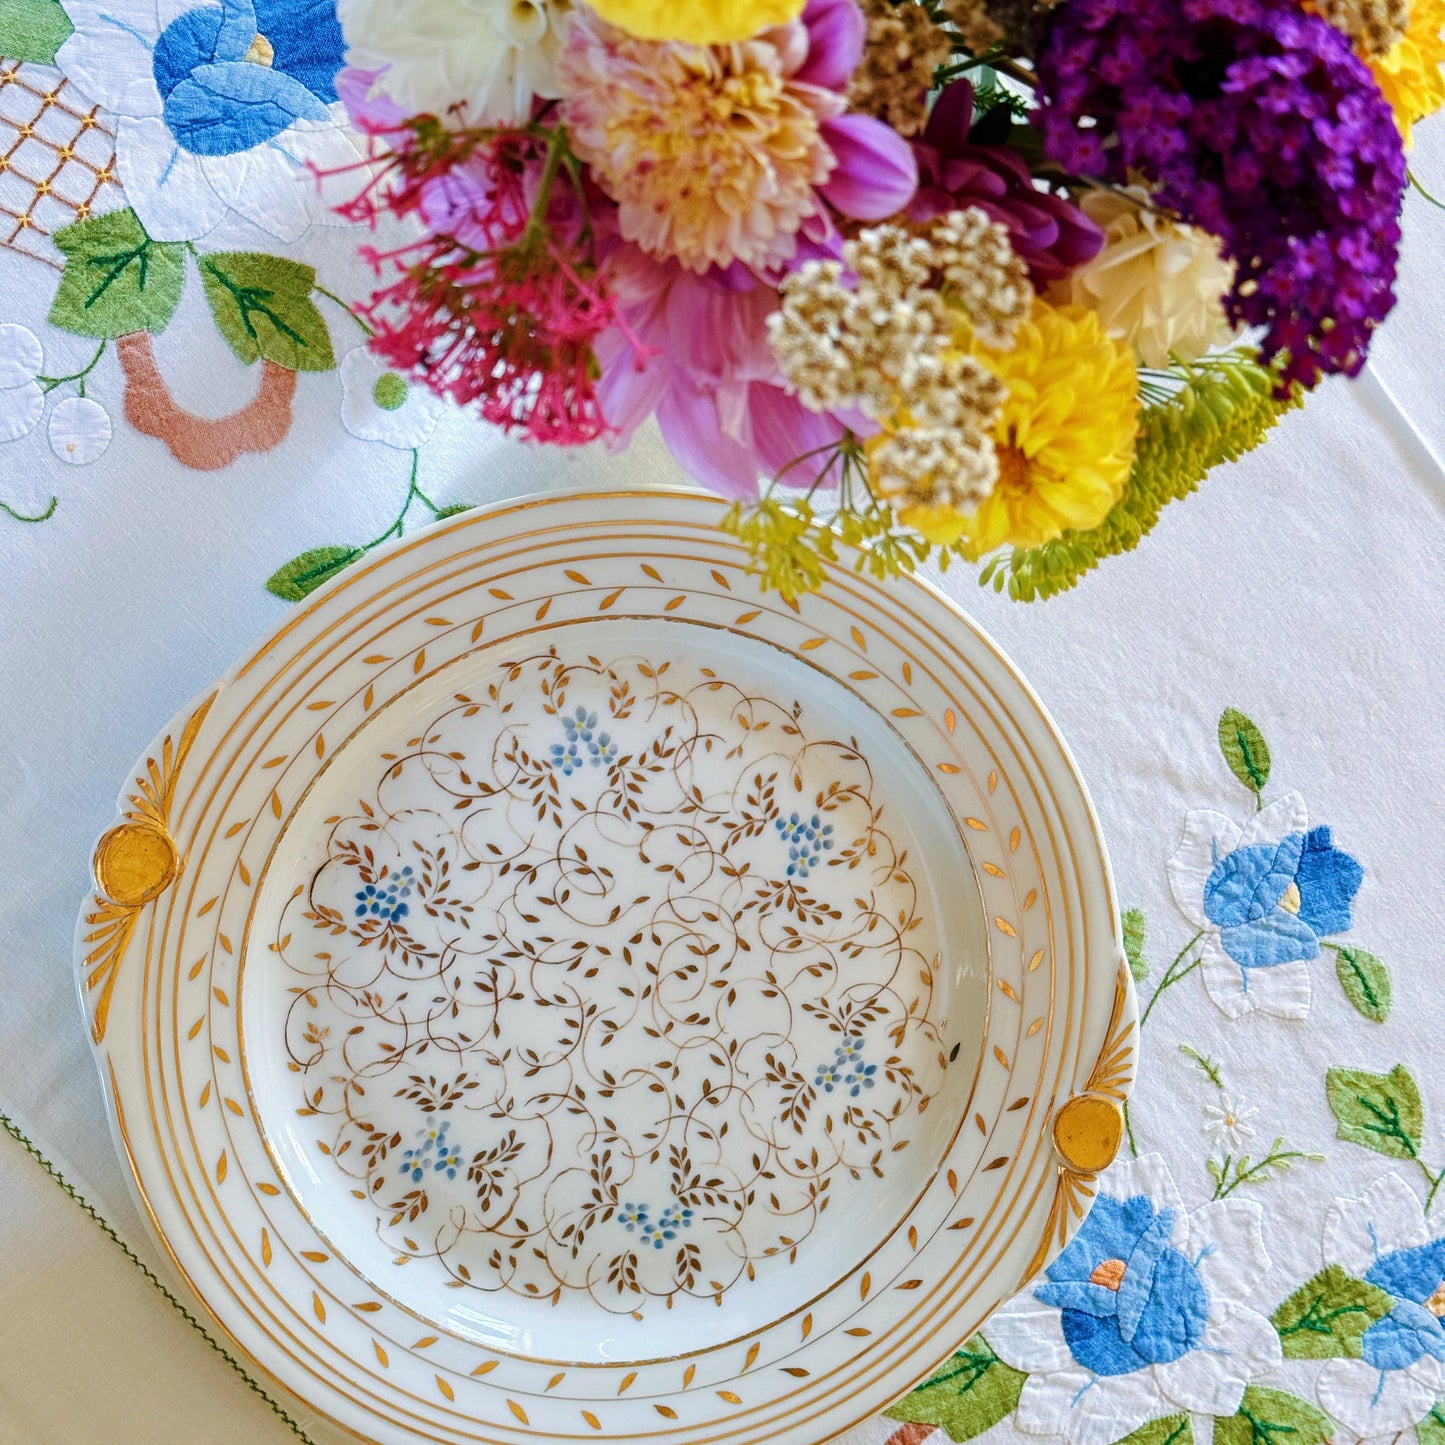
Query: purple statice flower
[(1253, 120), (1049, 232)]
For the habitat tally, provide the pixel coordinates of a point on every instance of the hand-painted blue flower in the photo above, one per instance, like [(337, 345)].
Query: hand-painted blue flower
[(810, 839), (386, 899), (237, 75), (1127, 1297), (1273, 902), (1413, 1329)]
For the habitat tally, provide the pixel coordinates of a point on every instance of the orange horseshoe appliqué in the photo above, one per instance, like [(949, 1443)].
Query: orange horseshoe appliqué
[(203, 443)]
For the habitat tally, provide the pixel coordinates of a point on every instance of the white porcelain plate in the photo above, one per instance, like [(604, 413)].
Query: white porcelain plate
[(552, 991)]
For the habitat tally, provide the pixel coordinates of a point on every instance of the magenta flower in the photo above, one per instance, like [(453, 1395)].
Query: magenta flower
[(1048, 231), (708, 374), (1255, 121)]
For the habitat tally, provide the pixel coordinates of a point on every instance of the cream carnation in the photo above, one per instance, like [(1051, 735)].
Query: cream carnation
[(494, 56), (1157, 285)]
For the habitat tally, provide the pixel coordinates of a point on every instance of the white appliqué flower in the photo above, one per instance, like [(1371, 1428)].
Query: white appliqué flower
[(494, 56), (220, 106), (1384, 1238), (22, 401), (79, 431), (1227, 1122), (1144, 1314), (1263, 896), (1157, 285), (378, 405)]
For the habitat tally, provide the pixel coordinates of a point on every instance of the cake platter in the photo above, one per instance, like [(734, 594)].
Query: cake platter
[(551, 990)]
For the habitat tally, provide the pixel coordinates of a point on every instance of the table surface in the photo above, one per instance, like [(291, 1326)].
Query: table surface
[(1302, 587)]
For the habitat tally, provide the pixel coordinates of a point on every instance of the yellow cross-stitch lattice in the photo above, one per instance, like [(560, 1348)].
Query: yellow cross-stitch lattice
[(57, 159)]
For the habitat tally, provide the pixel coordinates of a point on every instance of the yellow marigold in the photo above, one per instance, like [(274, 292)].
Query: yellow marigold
[(1410, 73), (697, 22), (1066, 431)]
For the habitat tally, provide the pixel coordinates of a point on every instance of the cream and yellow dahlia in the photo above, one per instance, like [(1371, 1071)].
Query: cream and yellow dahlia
[(1410, 73), (1065, 433), (712, 153), (697, 22), (1157, 285)]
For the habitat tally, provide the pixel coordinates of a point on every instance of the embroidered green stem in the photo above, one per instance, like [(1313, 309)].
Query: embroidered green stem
[(277, 1409), (44, 516), (1230, 1173), (1209, 1067), (350, 310), (413, 494), (1172, 975), (49, 383)]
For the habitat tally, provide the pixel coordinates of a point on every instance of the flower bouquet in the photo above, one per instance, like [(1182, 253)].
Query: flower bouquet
[(990, 280)]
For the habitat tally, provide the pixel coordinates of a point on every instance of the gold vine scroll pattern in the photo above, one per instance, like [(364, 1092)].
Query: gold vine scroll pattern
[(134, 863), (608, 982)]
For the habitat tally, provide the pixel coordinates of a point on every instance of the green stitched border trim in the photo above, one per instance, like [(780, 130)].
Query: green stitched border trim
[(277, 1409)]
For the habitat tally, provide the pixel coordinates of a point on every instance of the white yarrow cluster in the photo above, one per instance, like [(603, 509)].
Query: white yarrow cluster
[(879, 332)]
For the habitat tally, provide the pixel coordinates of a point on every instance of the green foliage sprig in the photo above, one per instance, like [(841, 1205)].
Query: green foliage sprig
[(1196, 416)]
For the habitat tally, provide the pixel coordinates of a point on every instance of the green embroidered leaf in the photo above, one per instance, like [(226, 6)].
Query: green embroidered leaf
[(1244, 749), (33, 29), (1271, 1417), (970, 1394), (117, 280), (302, 575), (1326, 1317), (263, 307), (1168, 1430), (1134, 933), (455, 510), (1431, 1430), (1379, 1111), (1366, 982)]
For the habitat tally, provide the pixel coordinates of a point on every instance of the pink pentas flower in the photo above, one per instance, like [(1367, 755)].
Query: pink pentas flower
[(695, 353), (497, 305)]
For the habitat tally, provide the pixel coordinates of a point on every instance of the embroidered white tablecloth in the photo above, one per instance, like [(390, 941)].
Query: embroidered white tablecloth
[(185, 409)]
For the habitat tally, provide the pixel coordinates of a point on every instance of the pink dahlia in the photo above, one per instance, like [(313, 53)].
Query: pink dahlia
[(723, 153), (694, 350)]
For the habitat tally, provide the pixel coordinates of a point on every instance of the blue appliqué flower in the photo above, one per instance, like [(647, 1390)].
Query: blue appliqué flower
[(236, 75), (1384, 1237), (1263, 897), (1128, 1298), (1273, 902), (1145, 1314), (386, 899), (809, 838)]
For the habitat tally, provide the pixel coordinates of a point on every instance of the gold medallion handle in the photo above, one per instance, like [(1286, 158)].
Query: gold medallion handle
[(1088, 1130), (134, 863)]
